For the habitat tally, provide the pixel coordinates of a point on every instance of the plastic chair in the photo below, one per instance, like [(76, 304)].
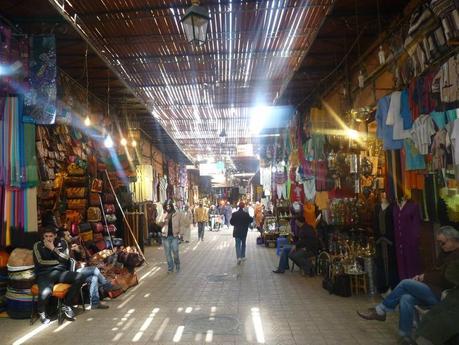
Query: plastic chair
[(280, 242)]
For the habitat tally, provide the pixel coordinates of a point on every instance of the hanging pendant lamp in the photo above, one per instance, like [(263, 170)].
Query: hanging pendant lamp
[(195, 23)]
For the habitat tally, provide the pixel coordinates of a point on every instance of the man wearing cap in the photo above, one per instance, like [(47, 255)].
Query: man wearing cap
[(241, 221), (52, 262)]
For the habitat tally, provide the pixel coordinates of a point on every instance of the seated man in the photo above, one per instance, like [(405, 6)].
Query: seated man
[(424, 289), (440, 325), (51, 257), (305, 247), (91, 274)]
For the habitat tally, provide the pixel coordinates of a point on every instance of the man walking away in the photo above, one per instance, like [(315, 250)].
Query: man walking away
[(202, 218), (241, 221)]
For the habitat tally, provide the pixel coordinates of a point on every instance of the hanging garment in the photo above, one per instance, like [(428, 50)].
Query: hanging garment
[(413, 160), (439, 147), (385, 259), (322, 201), (407, 230), (321, 175), (384, 131), (296, 192), (422, 131), (41, 100), (309, 187), (309, 212)]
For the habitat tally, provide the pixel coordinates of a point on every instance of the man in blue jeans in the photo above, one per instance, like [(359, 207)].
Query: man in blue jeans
[(173, 224), (91, 274), (304, 247), (241, 221), (424, 289)]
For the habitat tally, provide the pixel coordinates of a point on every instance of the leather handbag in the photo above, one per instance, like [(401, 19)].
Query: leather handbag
[(111, 218), (76, 204), (76, 181), (94, 214), (74, 169), (84, 227), (94, 199), (98, 237), (72, 216), (100, 244), (97, 227), (109, 208), (75, 192), (96, 186), (74, 230), (86, 236), (109, 198), (111, 228)]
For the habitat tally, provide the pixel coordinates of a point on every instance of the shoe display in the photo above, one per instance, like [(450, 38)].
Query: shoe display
[(43, 319), (278, 271), (371, 314), (69, 313), (100, 306)]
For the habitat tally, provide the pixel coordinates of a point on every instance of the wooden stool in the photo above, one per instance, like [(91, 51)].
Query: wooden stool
[(59, 291), (358, 283)]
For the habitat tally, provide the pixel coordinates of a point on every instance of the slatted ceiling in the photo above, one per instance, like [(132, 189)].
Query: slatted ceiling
[(252, 46)]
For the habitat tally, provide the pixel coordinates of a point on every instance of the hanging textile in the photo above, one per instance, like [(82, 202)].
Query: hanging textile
[(41, 100)]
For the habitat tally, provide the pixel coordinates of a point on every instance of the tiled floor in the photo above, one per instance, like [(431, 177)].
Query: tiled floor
[(214, 301)]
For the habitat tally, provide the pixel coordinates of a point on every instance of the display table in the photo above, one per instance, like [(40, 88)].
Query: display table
[(270, 239)]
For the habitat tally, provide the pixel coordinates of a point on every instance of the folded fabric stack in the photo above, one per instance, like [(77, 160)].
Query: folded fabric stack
[(21, 275)]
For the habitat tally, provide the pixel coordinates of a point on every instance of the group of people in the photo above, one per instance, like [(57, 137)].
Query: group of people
[(58, 260)]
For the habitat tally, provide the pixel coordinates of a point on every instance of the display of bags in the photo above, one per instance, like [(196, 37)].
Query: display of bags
[(76, 181), (109, 208), (76, 204), (109, 198), (86, 236), (94, 214), (97, 227), (94, 199), (74, 169), (111, 218), (84, 227), (75, 192), (72, 216), (96, 186), (111, 228)]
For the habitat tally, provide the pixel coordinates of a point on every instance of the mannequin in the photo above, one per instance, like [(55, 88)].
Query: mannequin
[(407, 229), (386, 263)]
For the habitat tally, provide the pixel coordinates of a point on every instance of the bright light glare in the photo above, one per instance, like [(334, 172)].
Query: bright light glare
[(209, 336), (31, 334), (87, 121), (258, 326), (259, 114), (353, 134), (108, 142), (123, 141), (134, 143), (178, 334)]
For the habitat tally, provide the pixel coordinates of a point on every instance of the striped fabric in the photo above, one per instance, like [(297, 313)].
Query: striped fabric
[(18, 171)]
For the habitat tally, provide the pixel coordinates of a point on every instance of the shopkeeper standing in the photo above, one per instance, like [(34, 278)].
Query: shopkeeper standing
[(172, 223)]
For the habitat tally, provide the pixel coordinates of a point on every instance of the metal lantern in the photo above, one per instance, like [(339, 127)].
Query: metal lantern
[(195, 23)]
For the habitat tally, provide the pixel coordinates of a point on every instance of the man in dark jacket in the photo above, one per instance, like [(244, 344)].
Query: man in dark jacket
[(52, 263), (305, 246), (424, 289), (241, 221)]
